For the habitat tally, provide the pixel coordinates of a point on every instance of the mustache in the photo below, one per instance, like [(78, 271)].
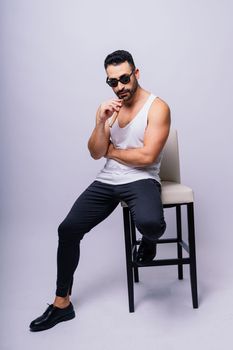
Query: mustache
[(122, 91)]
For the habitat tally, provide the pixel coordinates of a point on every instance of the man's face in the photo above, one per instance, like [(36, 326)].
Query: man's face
[(123, 91)]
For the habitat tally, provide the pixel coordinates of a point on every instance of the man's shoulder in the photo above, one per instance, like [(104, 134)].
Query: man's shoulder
[(159, 105), (159, 108)]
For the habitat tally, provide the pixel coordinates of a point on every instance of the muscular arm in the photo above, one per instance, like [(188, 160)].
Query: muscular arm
[(99, 141), (154, 139)]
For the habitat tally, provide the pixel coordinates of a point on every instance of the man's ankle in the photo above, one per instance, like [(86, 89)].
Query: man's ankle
[(61, 302)]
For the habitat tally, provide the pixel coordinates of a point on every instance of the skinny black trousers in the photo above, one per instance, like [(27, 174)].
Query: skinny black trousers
[(95, 204)]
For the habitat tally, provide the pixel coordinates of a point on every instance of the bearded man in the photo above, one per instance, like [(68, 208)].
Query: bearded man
[(130, 132)]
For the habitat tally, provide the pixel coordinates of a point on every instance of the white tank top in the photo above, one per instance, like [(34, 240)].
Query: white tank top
[(131, 136)]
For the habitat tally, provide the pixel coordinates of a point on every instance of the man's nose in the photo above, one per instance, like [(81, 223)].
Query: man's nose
[(120, 86)]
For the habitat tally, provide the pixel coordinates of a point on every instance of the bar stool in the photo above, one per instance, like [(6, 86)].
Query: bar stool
[(174, 195)]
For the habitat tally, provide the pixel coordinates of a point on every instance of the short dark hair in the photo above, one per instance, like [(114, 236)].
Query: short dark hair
[(118, 57)]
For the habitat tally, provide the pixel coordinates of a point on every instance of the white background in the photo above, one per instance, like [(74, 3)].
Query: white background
[(52, 81)]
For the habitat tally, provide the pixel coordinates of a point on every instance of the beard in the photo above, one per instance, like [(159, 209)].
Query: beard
[(127, 94)]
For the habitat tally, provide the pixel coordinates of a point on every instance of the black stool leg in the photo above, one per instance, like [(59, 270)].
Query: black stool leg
[(129, 263), (192, 254), (179, 237), (134, 245)]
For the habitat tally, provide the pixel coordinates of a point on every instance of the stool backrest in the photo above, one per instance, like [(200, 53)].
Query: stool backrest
[(170, 165)]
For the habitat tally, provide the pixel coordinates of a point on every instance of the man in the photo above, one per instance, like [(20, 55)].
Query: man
[(130, 133)]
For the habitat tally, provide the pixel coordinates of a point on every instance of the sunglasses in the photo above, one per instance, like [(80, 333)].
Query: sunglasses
[(124, 79)]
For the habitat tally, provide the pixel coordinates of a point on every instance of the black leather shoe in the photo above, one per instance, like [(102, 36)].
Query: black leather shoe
[(146, 251), (51, 317)]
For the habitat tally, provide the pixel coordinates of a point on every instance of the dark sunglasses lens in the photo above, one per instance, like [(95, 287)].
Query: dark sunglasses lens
[(125, 79), (112, 82)]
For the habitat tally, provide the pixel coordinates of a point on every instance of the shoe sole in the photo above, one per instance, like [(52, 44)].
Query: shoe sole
[(62, 319), (145, 261)]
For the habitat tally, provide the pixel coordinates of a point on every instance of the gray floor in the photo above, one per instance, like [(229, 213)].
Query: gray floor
[(163, 319)]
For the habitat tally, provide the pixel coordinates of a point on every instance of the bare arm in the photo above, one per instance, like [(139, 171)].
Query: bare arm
[(100, 137), (154, 139)]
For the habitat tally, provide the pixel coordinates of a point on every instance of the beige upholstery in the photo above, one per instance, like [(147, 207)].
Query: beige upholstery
[(173, 192), (170, 166)]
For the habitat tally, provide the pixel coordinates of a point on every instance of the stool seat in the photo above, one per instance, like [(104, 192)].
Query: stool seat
[(173, 192)]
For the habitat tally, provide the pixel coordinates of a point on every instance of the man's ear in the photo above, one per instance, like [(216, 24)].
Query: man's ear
[(137, 73)]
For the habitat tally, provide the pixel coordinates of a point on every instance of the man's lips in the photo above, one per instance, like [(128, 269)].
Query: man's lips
[(123, 93)]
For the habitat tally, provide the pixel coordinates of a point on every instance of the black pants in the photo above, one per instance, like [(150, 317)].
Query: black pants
[(93, 206)]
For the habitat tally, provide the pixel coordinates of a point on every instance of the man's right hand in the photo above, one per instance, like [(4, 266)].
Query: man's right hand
[(99, 141), (107, 109)]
